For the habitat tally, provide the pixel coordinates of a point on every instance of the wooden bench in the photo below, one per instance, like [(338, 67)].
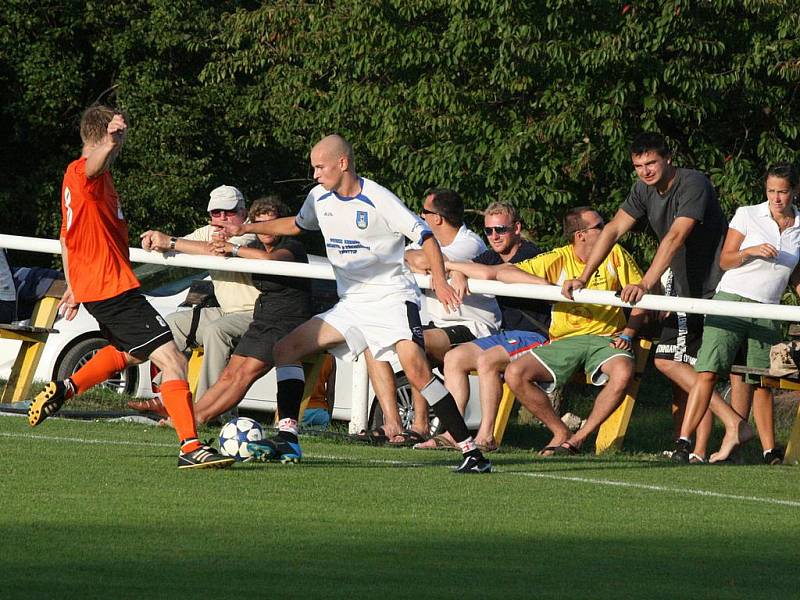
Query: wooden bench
[(785, 382), (33, 338), (612, 432)]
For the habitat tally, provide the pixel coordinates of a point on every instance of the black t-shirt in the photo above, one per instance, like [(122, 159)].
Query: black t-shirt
[(519, 313), (283, 296), (695, 266)]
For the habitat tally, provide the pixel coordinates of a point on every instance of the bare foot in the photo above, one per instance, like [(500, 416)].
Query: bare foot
[(486, 445), (732, 441), (165, 423), (445, 440)]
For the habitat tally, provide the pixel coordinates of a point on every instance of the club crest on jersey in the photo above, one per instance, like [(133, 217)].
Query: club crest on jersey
[(362, 219)]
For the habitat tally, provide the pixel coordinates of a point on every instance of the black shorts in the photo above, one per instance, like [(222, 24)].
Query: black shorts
[(681, 335), (264, 331), (130, 323), (457, 334)]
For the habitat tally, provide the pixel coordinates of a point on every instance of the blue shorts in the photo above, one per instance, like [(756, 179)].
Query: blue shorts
[(514, 342)]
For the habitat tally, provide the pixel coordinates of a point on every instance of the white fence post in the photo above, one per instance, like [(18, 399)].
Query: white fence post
[(359, 402)]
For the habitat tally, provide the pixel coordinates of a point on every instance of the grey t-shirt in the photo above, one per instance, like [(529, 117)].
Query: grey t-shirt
[(695, 266)]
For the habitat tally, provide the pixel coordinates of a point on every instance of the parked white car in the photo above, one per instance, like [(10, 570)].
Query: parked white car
[(166, 288)]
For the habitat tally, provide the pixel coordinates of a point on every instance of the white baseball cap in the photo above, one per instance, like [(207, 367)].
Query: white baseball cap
[(225, 197)]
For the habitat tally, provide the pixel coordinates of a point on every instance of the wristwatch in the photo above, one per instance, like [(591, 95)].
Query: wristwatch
[(235, 249), (172, 242)]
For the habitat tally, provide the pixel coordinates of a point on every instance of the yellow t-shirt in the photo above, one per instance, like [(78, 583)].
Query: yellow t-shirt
[(569, 319)]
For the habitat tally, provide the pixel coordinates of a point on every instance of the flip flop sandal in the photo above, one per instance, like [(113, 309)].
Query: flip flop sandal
[(566, 449), (550, 449), (377, 436), (409, 439)]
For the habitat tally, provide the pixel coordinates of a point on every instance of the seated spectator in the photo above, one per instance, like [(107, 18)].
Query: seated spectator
[(584, 336), (759, 258), (478, 315), (283, 304), (219, 327), (525, 325)]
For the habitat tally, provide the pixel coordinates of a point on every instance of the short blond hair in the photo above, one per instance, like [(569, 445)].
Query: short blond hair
[(502, 208)]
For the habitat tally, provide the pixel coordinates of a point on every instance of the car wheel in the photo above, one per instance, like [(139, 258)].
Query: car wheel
[(124, 382), (405, 406)]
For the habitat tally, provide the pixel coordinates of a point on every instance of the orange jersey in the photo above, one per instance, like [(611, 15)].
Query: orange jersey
[(96, 236)]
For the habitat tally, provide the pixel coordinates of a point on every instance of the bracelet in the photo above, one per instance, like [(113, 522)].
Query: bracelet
[(172, 242), (235, 249), (625, 337)]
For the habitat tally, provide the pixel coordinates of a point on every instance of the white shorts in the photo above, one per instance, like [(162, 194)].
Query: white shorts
[(377, 325)]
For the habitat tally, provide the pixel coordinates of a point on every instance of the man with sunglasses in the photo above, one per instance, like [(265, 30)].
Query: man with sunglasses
[(682, 208), (592, 338), (220, 327)]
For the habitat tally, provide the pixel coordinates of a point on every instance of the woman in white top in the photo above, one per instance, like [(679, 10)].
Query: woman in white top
[(759, 257)]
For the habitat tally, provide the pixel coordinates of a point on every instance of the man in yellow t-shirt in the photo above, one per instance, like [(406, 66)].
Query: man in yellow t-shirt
[(591, 337)]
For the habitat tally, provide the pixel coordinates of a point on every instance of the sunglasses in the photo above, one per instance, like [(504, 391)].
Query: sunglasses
[(599, 226), (498, 230), (218, 212), (425, 211)]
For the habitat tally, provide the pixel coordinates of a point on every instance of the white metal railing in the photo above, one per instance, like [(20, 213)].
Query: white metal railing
[(520, 290)]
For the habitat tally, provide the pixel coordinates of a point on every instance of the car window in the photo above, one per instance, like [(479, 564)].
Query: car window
[(166, 280)]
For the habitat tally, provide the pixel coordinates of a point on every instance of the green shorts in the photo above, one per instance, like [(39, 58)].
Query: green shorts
[(723, 336), (588, 352)]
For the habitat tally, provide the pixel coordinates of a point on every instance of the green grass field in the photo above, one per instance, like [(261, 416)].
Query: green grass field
[(97, 509)]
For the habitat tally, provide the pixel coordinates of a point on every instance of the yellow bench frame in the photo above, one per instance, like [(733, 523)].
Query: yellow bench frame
[(612, 432), (33, 339)]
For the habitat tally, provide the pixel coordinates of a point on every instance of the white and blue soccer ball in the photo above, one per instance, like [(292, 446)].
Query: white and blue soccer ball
[(236, 434)]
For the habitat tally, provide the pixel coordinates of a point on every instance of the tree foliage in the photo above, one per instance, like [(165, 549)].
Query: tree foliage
[(532, 102)]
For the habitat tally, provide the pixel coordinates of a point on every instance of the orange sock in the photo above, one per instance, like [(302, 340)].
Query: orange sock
[(100, 367), (178, 401)]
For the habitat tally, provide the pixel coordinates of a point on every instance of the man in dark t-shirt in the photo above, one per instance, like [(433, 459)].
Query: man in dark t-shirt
[(284, 303), (682, 209), (503, 230)]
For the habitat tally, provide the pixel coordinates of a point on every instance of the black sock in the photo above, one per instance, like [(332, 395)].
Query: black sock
[(290, 394), (448, 414)]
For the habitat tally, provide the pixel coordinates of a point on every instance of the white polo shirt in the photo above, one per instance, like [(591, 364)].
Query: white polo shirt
[(364, 239), (480, 313), (763, 280)]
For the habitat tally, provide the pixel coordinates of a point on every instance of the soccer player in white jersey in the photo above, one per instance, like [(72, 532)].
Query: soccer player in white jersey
[(364, 226)]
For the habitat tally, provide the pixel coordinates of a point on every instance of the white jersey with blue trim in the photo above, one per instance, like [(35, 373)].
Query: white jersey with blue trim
[(364, 239)]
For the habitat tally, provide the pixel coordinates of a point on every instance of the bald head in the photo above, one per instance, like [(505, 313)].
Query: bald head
[(333, 147)]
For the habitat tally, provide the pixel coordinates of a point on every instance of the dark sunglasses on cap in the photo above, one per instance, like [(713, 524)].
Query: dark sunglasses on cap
[(218, 212), (499, 230)]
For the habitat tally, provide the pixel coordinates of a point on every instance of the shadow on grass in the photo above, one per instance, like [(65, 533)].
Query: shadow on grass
[(312, 560)]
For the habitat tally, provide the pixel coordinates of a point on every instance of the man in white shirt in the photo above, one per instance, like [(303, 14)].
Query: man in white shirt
[(478, 316), (218, 328), (363, 225)]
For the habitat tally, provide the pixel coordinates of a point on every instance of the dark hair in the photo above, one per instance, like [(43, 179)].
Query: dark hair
[(94, 122), (650, 142), (268, 205), (573, 221), (785, 171), (448, 205)]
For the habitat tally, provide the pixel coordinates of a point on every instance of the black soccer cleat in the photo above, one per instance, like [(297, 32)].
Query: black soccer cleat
[(680, 455), (49, 401), (204, 457), (474, 465)]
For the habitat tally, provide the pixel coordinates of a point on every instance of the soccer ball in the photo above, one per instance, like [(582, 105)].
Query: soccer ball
[(234, 437)]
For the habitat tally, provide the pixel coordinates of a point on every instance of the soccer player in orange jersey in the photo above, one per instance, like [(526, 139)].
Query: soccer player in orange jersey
[(94, 244)]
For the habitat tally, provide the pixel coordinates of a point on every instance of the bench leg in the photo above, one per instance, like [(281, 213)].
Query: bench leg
[(503, 414), (193, 370), (793, 447), (18, 386)]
